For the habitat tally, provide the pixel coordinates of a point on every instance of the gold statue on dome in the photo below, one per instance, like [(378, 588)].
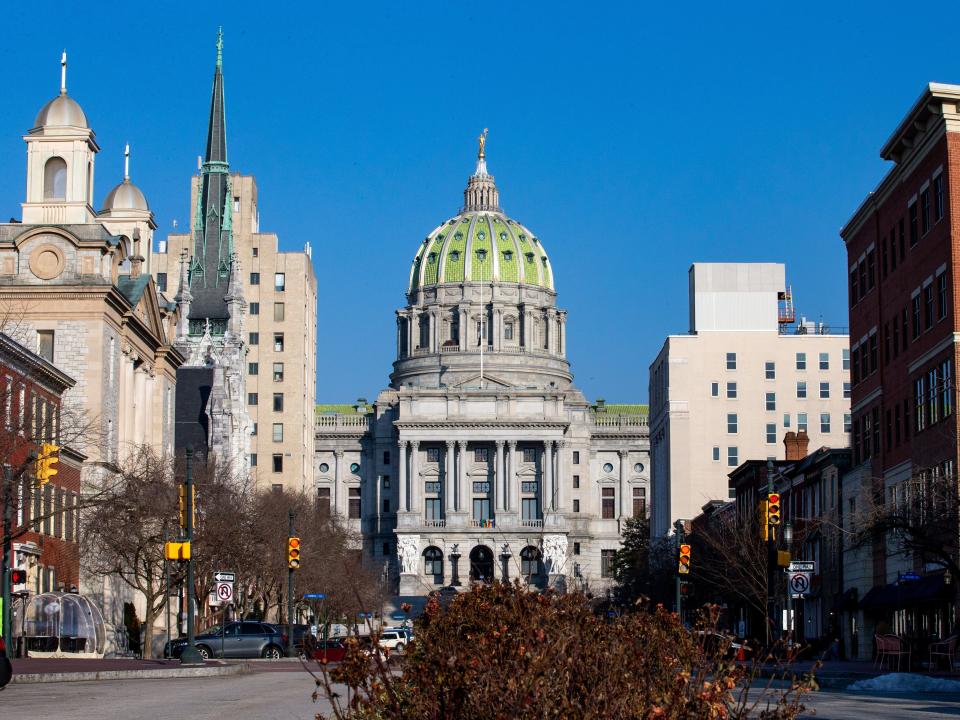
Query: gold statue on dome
[(483, 143)]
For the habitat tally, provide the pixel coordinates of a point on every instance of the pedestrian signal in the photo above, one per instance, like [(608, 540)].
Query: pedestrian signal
[(293, 553), (17, 576), (684, 566), (773, 509)]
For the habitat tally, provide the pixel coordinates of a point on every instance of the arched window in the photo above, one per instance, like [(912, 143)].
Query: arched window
[(530, 561), (55, 179), (433, 563)]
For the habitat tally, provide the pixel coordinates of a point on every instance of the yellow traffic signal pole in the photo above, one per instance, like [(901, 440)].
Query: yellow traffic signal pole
[(6, 549), (771, 559), (679, 527), (190, 655), (290, 572)]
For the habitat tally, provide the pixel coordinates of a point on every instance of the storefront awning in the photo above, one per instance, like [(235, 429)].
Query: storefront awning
[(905, 593)]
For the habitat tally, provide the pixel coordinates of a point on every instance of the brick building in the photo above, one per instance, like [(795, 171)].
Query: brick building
[(902, 258), (45, 520)]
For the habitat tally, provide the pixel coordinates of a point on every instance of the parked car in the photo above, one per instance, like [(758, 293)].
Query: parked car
[(393, 640), (6, 667), (330, 650), (299, 632), (245, 639)]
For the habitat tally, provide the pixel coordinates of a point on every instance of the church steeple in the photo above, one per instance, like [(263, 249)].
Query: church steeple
[(212, 230)]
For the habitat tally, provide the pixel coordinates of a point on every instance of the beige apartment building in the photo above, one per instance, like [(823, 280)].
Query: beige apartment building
[(281, 326), (746, 373)]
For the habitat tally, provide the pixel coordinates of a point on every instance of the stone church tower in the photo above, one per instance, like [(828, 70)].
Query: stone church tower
[(211, 414)]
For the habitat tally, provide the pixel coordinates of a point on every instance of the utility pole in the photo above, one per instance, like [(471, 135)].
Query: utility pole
[(190, 655), (290, 571)]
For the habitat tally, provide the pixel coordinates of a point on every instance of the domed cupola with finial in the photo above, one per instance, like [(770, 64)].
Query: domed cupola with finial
[(125, 210), (60, 156)]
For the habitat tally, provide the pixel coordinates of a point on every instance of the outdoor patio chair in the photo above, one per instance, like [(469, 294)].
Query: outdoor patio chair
[(891, 646), (943, 649)]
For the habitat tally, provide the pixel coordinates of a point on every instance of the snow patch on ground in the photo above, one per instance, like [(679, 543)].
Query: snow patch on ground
[(907, 682)]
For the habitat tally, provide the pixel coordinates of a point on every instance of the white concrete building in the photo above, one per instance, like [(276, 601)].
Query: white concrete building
[(727, 391)]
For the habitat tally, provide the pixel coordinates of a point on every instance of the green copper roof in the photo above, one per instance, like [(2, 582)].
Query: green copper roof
[(622, 409), (340, 409), (452, 253)]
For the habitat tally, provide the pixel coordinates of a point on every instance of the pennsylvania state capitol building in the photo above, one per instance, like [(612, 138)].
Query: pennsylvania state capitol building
[(481, 460)]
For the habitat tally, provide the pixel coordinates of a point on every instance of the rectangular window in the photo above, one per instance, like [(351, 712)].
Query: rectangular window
[(236, 204), (480, 455), (253, 368), (933, 382), (576, 457), (801, 389), (278, 463), (916, 316), (771, 433), (254, 338), (846, 358), (786, 420), (770, 370), (386, 505), (279, 282), (824, 391), (576, 482), (251, 398), (639, 502), (529, 455), (278, 432), (732, 455), (508, 331), (606, 563), (903, 243), (716, 454), (715, 389), (278, 342), (914, 230), (279, 311), (254, 430), (576, 505), (942, 295), (254, 278), (801, 422), (162, 282), (925, 212), (731, 361), (731, 391), (946, 387), (386, 482), (254, 308), (824, 361), (848, 423), (278, 402), (253, 459), (278, 372), (576, 548), (854, 287), (903, 329), (608, 503), (433, 455), (731, 423), (45, 344), (846, 391), (919, 396), (771, 401), (871, 269), (801, 361), (481, 509), (353, 503), (928, 307), (874, 353), (884, 257), (255, 252), (386, 457), (938, 198), (323, 502), (824, 422), (58, 513)]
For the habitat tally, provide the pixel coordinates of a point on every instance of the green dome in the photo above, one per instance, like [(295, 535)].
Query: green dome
[(452, 253)]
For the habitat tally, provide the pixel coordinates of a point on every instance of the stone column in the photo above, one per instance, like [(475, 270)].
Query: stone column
[(561, 501), (622, 490), (464, 328), (434, 335), (525, 321), (449, 481), (563, 334), (546, 487), (399, 336), (416, 485), (138, 409), (551, 323), (498, 480), (402, 470), (497, 328), (338, 489), (511, 497), (461, 475), (410, 338)]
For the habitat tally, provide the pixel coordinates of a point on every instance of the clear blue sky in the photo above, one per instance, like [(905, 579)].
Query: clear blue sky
[(633, 141)]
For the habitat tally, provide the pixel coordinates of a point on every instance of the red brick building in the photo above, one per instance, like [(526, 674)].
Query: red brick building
[(45, 520), (902, 258)]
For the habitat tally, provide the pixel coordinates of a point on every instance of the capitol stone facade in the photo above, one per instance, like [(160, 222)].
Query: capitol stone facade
[(481, 461)]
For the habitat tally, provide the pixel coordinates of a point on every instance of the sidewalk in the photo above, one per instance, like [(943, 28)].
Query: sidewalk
[(38, 670), (838, 674)]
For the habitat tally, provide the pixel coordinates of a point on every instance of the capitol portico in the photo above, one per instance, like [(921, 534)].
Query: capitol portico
[(482, 461)]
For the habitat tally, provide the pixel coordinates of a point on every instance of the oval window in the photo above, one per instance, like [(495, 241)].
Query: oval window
[(638, 468), (324, 467), (607, 468), (354, 468)]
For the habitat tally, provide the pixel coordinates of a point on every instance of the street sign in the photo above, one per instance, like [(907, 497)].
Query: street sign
[(314, 596), (224, 592), (224, 577), (910, 576), (807, 566), (799, 583)]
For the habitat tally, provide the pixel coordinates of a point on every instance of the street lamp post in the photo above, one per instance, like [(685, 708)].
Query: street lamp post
[(454, 561), (788, 542), (190, 655)]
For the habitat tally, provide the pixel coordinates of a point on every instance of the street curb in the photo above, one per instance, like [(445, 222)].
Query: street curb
[(150, 674)]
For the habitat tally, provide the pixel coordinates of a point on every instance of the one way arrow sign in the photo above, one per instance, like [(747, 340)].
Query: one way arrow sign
[(224, 577)]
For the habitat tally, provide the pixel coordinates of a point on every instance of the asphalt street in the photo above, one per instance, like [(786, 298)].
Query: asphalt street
[(286, 695)]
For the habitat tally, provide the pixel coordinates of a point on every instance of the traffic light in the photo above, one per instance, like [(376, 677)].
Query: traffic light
[(684, 567), (17, 576), (293, 553), (685, 589), (44, 469), (773, 509), (181, 496)]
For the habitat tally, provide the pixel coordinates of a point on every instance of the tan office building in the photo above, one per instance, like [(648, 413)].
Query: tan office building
[(747, 373), (281, 325)]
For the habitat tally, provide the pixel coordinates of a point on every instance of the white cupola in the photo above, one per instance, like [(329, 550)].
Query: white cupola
[(61, 149)]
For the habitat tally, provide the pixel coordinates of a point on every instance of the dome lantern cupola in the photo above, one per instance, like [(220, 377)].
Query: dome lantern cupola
[(481, 192)]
